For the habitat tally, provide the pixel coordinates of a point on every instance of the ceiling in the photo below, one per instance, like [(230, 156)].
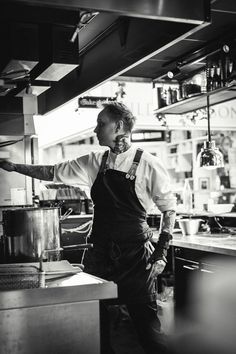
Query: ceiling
[(221, 27), (59, 49)]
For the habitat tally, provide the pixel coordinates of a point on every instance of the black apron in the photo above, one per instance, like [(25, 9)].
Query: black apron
[(120, 234)]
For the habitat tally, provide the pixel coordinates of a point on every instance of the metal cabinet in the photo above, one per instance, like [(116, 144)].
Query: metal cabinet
[(192, 267), (63, 317)]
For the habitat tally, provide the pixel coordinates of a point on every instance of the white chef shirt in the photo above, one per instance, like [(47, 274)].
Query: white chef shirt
[(152, 182)]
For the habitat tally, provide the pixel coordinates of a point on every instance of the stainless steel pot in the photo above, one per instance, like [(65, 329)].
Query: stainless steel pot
[(28, 231)]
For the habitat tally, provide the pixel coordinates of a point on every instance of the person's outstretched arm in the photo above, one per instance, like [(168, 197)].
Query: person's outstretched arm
[(42, 172)]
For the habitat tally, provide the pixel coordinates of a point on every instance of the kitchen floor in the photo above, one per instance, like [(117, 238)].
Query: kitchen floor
[(123, 336)]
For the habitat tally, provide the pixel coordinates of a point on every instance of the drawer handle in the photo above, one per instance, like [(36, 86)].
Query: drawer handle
[(206, 271), (191, 267)]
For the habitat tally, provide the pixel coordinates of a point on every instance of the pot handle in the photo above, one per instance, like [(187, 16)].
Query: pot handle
[(80, 246), (78, 265), (67, 213)]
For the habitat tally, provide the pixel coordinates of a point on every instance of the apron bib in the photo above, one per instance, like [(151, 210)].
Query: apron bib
[(120, 234)]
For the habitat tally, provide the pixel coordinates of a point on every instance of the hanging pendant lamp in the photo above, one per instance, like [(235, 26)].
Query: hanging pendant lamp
[(210, 156)]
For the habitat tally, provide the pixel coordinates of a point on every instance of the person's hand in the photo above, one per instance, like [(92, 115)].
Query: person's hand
[(7, 166), (157, 267), (157, 263), (157, 260)]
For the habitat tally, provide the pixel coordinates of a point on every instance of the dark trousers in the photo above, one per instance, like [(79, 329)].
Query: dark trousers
[(147, 326)]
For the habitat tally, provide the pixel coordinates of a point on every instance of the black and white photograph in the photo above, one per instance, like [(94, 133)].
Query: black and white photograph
[(117, 177)]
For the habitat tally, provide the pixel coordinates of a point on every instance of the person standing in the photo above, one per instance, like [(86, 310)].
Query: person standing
[(124, 183)]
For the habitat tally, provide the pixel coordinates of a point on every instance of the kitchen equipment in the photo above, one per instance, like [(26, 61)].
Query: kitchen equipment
[(16, 189), (191, 90), (59, 269), (189, 226), (28, 232), (34, 275), (220, 208), (21, 276)]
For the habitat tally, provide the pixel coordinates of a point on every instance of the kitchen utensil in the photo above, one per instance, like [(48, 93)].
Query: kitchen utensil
[(30, 231), (189, 226), (21, 276)]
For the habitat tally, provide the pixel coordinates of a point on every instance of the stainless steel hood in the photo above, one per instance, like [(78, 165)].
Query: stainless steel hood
[(123, 36)]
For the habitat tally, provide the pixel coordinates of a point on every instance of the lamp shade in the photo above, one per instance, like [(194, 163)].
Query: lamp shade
[(210, 156)]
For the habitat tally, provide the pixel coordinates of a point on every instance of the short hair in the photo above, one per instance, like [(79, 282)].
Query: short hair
[(119, 111)]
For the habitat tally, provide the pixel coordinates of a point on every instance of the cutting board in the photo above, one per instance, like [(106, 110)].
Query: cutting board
[(59, 268), (52, 269)]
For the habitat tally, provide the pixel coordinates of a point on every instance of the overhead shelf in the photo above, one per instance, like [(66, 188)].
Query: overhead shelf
[(199, 101)]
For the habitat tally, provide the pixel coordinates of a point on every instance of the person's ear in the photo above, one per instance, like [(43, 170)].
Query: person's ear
[(119, 125)]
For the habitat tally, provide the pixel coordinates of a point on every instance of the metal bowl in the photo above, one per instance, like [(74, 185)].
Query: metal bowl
[(189, 227)]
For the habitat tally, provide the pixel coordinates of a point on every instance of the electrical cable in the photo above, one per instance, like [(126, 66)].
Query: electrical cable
[(10, 142)]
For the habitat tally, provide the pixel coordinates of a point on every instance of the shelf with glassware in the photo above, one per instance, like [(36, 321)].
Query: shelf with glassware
[(180, 155), (198, 100), (181, 162), (217, 80), (214, 83)]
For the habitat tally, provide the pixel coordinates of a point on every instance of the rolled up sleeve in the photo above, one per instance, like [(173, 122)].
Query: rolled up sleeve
[(73, 172), (160, 187)]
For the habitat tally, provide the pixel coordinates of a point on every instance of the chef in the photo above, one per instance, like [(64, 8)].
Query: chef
[(124, 182)]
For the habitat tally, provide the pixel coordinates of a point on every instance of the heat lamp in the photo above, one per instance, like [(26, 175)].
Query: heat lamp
[(210, 156)]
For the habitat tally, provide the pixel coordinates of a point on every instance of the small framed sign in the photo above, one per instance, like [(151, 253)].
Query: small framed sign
[(204, 183), (94, 101)]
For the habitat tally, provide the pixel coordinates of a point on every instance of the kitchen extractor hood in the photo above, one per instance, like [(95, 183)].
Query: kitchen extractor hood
[(122, 36), (58, 55), (28, 45), (20, 54)]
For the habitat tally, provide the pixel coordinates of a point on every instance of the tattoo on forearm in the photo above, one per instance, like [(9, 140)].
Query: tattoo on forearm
[(168, 221), (45, 173), (122, 144)]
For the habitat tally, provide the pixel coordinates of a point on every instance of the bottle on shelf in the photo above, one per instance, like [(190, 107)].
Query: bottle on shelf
[(228, 67), (160, 102), (214, 78), (169, 96), (217, 77), (179, 93), (209, 77), (221, 72), (232, 72), (163, 98), (187, 197), (211, 81), (174, 96)]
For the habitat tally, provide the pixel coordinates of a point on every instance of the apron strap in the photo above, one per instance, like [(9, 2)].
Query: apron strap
[(132, 171), (104, 166)]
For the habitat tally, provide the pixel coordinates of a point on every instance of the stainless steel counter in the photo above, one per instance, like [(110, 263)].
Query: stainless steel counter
[(61, 318), (222, 244), (216, 243), (76, 288)]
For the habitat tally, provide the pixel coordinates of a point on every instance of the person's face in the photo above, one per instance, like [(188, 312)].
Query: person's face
[(106, 129)]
